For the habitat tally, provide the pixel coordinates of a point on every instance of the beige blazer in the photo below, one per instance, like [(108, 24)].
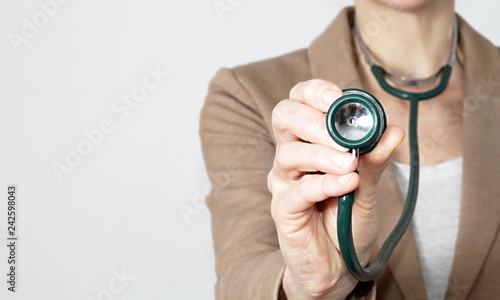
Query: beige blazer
[(239, 147)]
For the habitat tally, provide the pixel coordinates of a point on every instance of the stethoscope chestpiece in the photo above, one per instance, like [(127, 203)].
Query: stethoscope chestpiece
[(356, 120)]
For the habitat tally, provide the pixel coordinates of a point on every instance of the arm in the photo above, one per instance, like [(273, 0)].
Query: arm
[(239, 152)]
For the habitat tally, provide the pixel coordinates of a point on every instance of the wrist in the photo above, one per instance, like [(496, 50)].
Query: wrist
[(293, 290)]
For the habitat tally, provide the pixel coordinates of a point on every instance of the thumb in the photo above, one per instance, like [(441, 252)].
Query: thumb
[(373, 164)]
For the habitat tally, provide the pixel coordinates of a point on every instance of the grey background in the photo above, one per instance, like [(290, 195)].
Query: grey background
[(120, 209)]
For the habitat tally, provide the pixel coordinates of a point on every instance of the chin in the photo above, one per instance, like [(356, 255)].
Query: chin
[(406, 4)]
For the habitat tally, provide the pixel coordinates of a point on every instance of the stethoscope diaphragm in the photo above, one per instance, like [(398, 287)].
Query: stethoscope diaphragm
[(356, 120)]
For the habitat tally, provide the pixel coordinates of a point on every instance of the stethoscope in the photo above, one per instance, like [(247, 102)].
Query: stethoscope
[(357, 121)]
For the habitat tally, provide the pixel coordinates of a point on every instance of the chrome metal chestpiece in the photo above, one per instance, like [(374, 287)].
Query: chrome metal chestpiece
[(356, 120)]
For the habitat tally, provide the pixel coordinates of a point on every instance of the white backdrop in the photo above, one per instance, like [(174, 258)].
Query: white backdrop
[(99, 108)]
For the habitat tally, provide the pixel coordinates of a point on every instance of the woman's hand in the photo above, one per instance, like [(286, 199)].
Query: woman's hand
[(310, 171)]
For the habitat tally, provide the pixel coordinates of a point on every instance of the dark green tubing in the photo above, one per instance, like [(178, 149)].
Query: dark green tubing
[(344, 220), (380, 75)]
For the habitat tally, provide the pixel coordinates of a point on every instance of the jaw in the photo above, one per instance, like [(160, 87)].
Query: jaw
[(409, 5)]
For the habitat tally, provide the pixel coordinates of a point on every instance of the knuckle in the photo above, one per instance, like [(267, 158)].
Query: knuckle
[(271, 177), (302, 189), (280, 113), (277, 206), (277, 111), (286, 162), (310, 89), (277, 192), (293, 91), (325, 187), (317, 124), (286, 151), (313, 88), (281, 155)]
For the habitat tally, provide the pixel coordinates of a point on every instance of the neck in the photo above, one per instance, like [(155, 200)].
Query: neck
[(412, 43)]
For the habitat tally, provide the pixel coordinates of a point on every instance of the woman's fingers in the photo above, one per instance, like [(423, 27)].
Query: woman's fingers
[(295, 158), (316, 93), (310, 189), (295, 121), (302, 117)]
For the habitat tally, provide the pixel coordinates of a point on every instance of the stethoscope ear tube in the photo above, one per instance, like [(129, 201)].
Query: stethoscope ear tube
[(445, 72), (339, 123)]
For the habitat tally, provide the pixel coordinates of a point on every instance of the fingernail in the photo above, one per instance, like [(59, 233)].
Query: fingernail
[(336, 146), (344, 160), (345, 178), (330, 95)]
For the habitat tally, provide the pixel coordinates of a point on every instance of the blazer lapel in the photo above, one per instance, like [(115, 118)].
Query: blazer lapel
[(404, 263), (333, 57), (480, 204)]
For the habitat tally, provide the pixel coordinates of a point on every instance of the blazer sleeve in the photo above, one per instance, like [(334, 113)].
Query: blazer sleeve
[(238, 151)]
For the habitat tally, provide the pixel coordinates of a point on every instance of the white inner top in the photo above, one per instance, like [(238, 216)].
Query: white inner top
[(435, 222)]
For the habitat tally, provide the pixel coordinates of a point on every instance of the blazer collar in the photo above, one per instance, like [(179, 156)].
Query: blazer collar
[(333, 57), (333, 54)]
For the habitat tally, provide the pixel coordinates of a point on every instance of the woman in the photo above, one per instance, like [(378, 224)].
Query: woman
[(284, 244)]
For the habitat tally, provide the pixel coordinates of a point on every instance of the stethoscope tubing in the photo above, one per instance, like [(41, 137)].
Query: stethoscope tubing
[(346, 202), (344, 215)]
